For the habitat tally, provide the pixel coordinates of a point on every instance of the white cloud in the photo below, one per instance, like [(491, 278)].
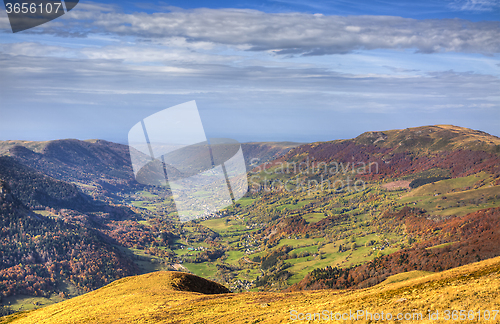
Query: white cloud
[(32, 49), (104, 97), (4, 21), (140, 54), (310, 86), (285, 33), (475, 5), (144, 55)]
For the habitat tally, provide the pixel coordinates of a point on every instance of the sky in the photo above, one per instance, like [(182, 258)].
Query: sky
[(278, 70)]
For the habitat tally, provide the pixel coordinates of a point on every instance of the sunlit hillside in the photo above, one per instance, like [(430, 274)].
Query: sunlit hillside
[(157, 298), (428, 139)]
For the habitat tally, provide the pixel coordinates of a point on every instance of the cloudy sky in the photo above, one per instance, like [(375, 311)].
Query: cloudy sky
[(270, 70)]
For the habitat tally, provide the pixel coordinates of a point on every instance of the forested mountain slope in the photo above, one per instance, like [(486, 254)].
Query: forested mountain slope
[(38, 253)]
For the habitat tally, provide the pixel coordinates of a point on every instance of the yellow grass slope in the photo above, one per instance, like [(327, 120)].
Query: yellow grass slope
[(155, 298)]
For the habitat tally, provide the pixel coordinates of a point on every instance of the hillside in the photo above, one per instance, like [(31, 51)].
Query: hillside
[(97, 163), (446, 150), (442, 245), (37, 190), (257, 153), (152, 299), (41, 192), (35, 146), (39, 253), (427, 139)]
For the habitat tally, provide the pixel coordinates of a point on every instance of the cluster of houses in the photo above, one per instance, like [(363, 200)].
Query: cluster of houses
[(239, 285), (193, 248)]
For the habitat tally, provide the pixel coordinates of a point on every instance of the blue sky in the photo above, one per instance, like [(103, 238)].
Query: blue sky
[(287, 70)]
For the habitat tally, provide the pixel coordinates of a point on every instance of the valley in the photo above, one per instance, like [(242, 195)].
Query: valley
[(341, 214)]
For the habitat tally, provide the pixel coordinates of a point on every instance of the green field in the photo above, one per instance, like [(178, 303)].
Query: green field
[(225, 225), (245, 201), (233, 256), (458, 196), (313, 217), (205, 270), (24, 303)]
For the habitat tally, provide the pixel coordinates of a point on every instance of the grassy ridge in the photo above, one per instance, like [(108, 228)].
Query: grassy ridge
[(433, 138), (152, 298), (34, 146)]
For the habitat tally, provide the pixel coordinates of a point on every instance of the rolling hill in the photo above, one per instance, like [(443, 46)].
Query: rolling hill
[(448, 150), (158, 298), (428, 139), (98, 163), (37, 190), (442, 245)]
